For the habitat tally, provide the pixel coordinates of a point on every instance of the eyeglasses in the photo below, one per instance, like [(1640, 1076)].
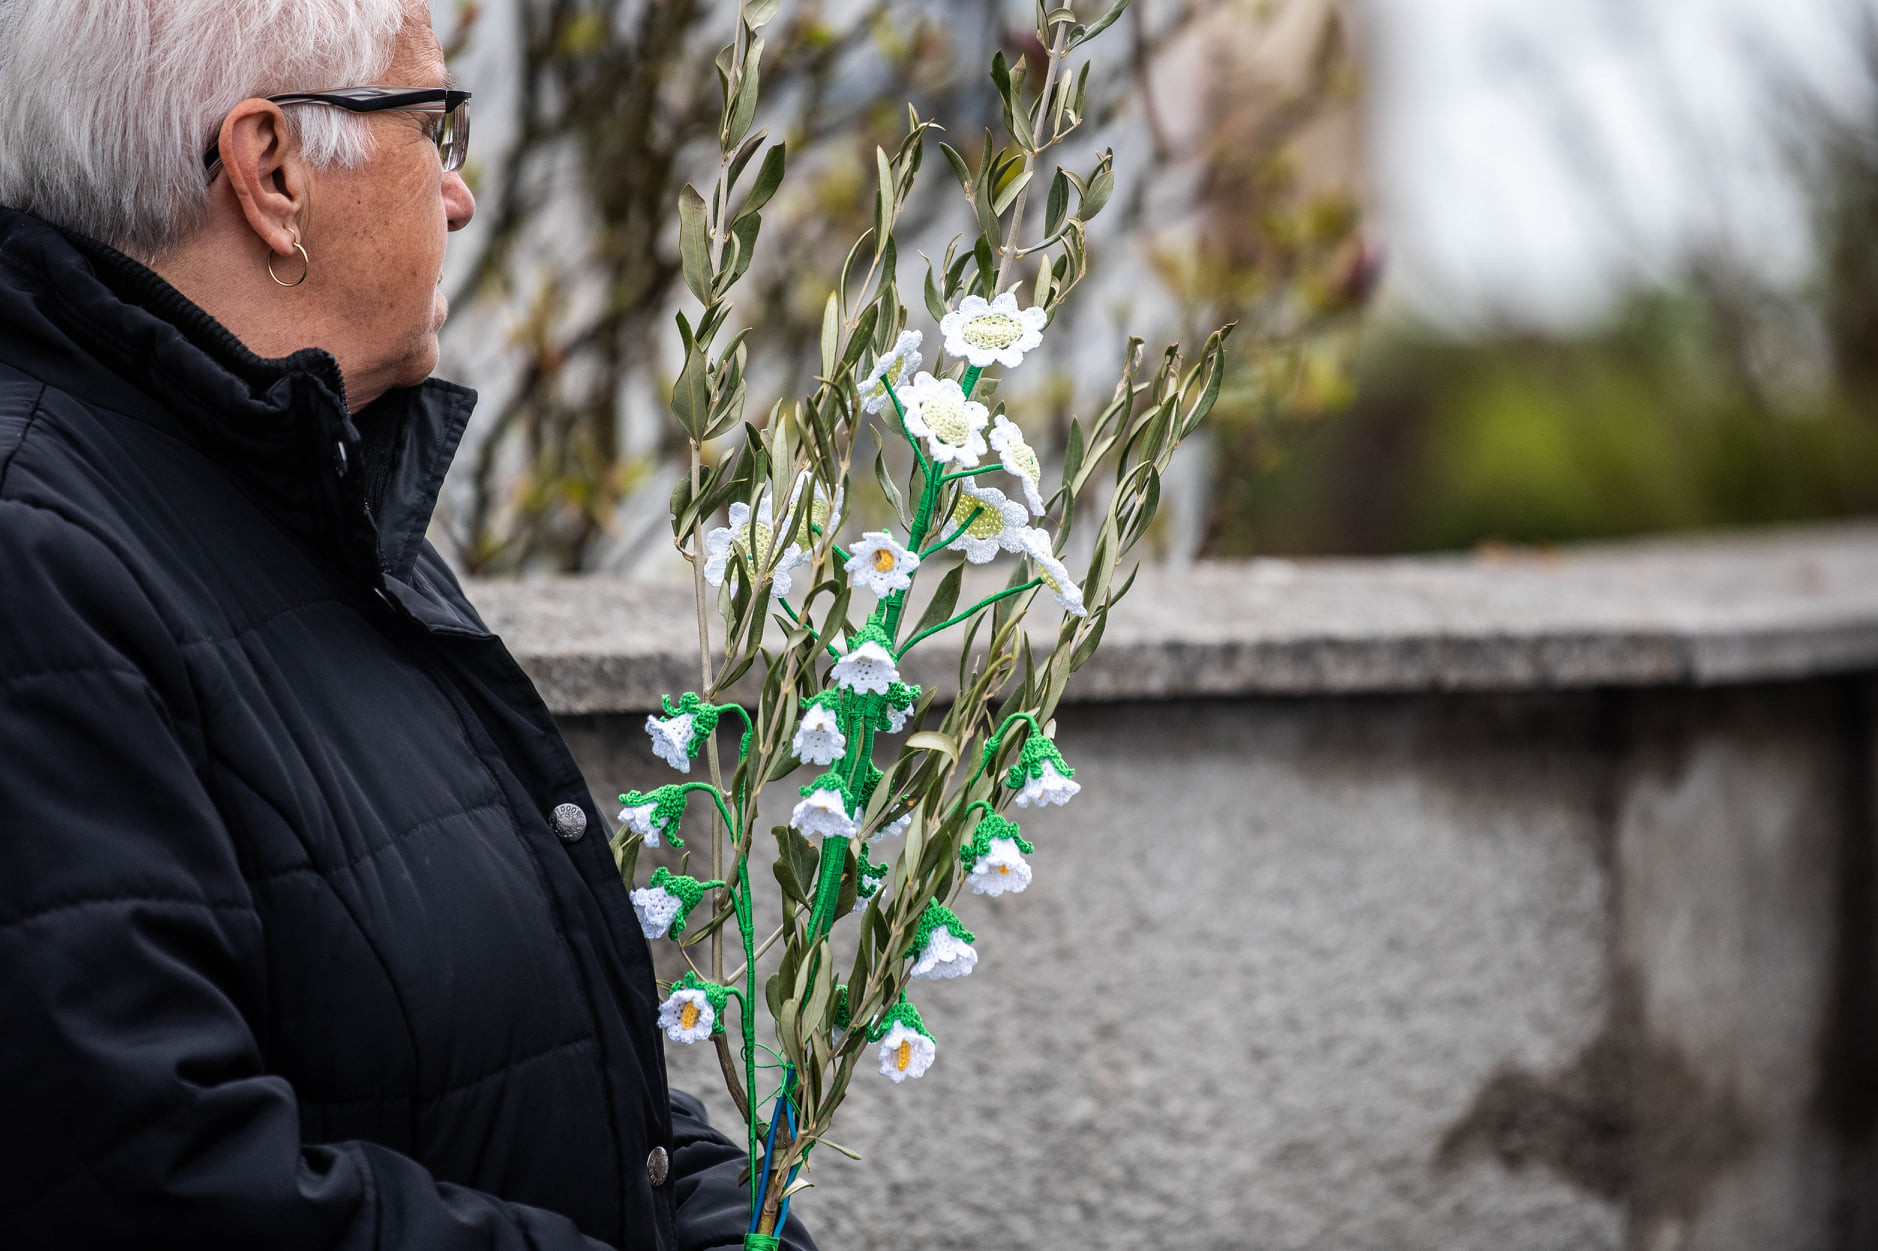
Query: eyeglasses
[(453, 125)]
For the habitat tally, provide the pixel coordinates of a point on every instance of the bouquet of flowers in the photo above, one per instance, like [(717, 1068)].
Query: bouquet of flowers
[(909, 809)]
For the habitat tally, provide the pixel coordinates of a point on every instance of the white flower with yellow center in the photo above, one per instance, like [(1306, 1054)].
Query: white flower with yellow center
[(1000, 870), (992, 332), (819, 739), (953, 426), (997, 523), (905, 1052), (1019, 459), (895, 368), (880, 564), (822, 510), (687, 1016), (750, 540), (1054, 573)]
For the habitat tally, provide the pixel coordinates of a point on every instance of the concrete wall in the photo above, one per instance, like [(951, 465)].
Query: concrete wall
[(1537, 965)]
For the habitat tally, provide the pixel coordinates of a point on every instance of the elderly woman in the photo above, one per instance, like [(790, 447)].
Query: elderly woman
[(309, 932)]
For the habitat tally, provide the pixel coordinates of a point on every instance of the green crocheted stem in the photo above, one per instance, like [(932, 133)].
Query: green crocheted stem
[(979, 607), (971, 517), (979, 846), (938, 916), (843, 1018), (761, 1242)]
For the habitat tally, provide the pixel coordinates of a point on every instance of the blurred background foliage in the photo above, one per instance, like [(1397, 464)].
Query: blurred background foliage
[(1705, 394)]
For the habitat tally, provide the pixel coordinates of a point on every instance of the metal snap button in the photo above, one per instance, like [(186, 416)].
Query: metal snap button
[(570, 822), (658, 1166)]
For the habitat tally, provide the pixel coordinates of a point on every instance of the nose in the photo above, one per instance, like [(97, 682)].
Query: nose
[(459, 203)]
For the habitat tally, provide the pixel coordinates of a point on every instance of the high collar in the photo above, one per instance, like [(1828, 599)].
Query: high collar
[(90, 321)]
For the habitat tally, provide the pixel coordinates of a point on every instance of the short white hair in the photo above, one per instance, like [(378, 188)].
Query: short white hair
[(107, 106)]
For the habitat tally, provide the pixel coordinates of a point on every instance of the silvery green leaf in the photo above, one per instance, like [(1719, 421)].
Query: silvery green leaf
[(769, 176), (758, 12), (694, 243), (1083, 34)]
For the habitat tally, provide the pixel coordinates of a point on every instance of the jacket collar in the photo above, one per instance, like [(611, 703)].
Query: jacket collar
[(90, 321)]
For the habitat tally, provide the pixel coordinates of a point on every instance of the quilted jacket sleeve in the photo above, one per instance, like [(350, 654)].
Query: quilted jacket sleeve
[(713, 1208), (132, 1096)]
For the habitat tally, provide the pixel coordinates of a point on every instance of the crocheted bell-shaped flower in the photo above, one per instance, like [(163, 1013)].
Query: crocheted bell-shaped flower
[(869, 666), (996, 523), (655, 816), (953, 426), (826, 810), (994, 858), (906, 1049), (898, 706), (694, 1010), (663, 906), (894, 828), (818, 739), (1055, 574), (894, 368), (992, 332), (942, 946), (1041, 777), (677, 736), (880, 564), (1019, 460)]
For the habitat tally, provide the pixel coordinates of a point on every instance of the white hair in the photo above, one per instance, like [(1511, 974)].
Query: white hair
[(107, 106)]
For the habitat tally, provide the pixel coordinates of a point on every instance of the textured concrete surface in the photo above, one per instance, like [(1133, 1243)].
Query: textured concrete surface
[(1444, 972), (1586, 961), (1749, 607)]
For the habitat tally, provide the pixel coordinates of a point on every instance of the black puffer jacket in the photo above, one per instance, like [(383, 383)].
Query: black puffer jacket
[(291, 955)]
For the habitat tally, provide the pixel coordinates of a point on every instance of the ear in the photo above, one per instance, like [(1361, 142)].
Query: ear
[(261, 160)]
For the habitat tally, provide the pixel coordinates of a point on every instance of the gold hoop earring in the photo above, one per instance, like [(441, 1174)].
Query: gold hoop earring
[(306, 264)]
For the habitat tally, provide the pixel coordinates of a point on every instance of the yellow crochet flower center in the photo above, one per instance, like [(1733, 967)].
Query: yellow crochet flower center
[(993, 330), (884, 561), (988, 524), (904, 1056), (945, 417), (753, 543), (1020, 457), (688, 1016)]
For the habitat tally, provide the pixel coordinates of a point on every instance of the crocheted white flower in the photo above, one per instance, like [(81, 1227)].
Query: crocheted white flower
[(894, 828), (880, 564), (1019, 459), (750, 541), (896, 366), (822, 510), (953, 426), (671, 742), (638, 819), (823, 811), (906, 1052), (656, 908), (1001, 869), (942, 946), (1041, 776), (994, 332), (868, 666), (998, 523), (945, 955), (687, 1016), (819, 739), (1054, 573)]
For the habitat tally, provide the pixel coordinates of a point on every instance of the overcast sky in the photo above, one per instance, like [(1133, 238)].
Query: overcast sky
[(1531, 156)]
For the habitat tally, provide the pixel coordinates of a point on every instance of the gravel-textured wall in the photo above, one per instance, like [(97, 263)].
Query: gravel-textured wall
[(1543, 971)]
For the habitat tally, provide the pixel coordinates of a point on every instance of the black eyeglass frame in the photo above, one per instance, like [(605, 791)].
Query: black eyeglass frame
[(452, 133)]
